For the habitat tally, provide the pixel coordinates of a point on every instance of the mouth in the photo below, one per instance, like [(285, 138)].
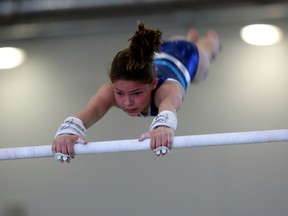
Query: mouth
[(131, 111)]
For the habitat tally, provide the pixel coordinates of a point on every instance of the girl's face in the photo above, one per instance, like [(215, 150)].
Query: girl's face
[(133, 97)]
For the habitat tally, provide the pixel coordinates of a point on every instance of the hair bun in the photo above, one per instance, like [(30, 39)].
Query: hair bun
[(143, 46)]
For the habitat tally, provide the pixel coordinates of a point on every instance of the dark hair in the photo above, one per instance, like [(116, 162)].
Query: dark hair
[(136, 62)]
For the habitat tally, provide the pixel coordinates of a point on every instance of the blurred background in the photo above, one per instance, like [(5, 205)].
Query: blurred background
[(69, 46)]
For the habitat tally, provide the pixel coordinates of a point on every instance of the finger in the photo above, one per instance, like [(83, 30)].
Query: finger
[(157, 152), (64, 149), (163, 150), (68, 159), (62, 157), (58, 147), (81, 140), (158, 143), (153, 143), (53, 148), (59, 158), (70, 145), (164, 146), (144, 136), (170, 142), (70, 151)]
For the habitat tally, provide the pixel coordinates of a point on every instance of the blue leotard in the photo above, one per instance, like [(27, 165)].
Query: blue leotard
[(177, 61)]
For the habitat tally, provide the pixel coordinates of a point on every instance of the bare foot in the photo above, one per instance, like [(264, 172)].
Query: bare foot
[(217, 44), (212, 33), (193, 35)]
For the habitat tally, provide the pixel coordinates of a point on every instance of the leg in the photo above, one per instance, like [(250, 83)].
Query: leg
[(192, 36), (210, 44), (208, 47)]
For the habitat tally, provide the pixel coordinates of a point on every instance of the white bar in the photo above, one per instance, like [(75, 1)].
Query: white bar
[(134, 145)]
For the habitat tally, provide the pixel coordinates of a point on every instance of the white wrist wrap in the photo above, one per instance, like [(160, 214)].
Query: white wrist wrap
[(72, 125), (164, 118)]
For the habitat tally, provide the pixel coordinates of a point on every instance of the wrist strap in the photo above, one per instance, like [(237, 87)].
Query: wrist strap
[(72, 125), (164, 118)]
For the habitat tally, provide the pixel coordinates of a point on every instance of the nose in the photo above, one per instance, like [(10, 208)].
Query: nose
[(128, 101)]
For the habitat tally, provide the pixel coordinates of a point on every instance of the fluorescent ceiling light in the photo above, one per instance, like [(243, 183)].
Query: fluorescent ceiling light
[(261, 34), (11, 57)]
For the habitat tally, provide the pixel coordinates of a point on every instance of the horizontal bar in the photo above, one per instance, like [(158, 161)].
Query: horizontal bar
[(205, 140)]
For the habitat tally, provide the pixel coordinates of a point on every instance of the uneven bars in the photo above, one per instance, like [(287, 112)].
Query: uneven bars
[(205, 140)]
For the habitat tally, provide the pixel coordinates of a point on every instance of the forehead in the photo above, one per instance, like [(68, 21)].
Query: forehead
[(128, 85)]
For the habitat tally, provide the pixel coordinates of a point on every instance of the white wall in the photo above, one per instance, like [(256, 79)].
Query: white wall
[(246, 90)]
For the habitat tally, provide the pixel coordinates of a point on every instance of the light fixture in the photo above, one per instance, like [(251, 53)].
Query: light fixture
[(261, 34), (11, 57)]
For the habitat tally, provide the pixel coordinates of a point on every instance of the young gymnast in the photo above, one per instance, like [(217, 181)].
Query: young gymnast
[(149, 78)]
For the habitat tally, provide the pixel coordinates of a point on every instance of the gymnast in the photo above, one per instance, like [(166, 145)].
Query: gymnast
[(149, 78)]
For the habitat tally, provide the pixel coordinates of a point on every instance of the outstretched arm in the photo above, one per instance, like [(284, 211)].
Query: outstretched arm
[(96, 108), (98, 105), (169, 96), (169, 99)]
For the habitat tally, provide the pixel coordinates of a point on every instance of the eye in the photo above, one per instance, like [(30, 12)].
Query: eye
[(118, 93), (137, 93)]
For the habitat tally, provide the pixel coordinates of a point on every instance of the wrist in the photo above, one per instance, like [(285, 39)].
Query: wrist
[(165, 118), (71, 126)]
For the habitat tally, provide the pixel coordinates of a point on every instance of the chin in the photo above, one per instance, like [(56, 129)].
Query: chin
[(133, 114)]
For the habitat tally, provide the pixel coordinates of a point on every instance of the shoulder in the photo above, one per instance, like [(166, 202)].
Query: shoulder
[(106, 90), (169, 89), (169, 86), (105, 94), (107, 86)]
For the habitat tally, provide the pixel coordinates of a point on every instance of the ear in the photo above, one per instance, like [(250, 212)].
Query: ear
[(154, 83)]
